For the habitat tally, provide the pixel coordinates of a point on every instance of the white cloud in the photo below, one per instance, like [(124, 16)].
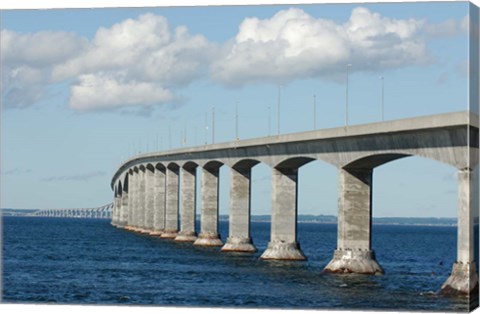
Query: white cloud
[(137, 62), (27, 60), (103, 91), (143, 62), (292, 45), (448, 28), (118, 47), (39, 50)]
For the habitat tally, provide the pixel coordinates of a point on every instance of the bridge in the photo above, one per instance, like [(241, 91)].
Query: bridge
[(155, 193), (102, 212)]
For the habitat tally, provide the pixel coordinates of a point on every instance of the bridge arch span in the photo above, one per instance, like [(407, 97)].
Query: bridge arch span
[(246, 163), (374, 160), (293, 163)]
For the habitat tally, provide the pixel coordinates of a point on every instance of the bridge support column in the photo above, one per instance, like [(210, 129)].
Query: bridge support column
[(464, 279), (133, 202), (171, 210), (283, 243), (159, 201), (354, 253), (239, 223), (118, 210), (124, 211), (141, 201), (209, 220), (115, 210), (149, 199), (187, 215)]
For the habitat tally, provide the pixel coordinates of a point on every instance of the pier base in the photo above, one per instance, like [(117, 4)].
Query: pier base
[(280, 250), (156, 233), (354, 261), (238, 244), (169, 234), (208, 239), (462, 281), (186, 237)]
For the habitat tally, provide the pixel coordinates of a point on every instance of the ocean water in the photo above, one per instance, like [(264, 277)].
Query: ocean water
[(75, 261)]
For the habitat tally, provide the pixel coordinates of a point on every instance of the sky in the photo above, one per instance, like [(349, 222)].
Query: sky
[(85, 89)]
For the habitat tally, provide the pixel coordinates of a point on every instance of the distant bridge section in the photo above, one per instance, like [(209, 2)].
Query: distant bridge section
[(102, 212)]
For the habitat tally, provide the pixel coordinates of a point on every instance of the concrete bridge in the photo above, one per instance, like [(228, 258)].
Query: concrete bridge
[(155, 193), (102, 212)]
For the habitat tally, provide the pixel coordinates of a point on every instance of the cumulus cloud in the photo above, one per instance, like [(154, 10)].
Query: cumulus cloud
[(39, 50), (27, 60), (448, 28), (143, 62), (135, 63), (103, 91), (293, 44)]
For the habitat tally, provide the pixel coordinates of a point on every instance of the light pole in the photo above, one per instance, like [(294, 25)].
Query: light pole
[(383, 98), (269, 121), (278, 110), (206, 128), (236, 121), (170, 136), (213, 124), (314, 111), (184, 135), (346, 96)]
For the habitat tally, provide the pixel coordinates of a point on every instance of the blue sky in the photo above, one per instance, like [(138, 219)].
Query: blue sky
[(85, 89)]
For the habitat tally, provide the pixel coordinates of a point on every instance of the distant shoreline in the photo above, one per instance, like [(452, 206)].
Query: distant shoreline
[(304, 219), (373, 223)]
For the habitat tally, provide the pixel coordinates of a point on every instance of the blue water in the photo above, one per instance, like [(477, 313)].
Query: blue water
[(54, 260)]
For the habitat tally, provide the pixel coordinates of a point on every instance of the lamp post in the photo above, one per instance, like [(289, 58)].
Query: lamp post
[(206, 128), (383, 97), (269, 121), (236, 121), (169, 137), (346, 96), (213, 124), (278, 109)]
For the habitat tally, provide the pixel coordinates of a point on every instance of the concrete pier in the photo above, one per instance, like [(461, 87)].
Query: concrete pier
[(209, 235), (116, 208), (159, 201), (149, 179), (171, 202), (133, 205), (354, 253), (125, 205), (283, 243), (239, 239), (463, 279), (141, 201), (187, 210)]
